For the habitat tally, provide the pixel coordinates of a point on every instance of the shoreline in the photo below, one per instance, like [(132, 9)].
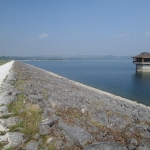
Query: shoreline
[(94, 89), (8, 66)]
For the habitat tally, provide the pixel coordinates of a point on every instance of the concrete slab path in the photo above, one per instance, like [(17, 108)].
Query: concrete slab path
[(4, 70)]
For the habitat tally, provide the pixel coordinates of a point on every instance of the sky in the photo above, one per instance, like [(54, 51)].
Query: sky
[(74, 27)]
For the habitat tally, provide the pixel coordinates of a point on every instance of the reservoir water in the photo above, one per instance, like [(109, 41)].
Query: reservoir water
[(114, 76)]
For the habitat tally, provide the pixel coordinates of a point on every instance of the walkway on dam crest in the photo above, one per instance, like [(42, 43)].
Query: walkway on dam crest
[(4, 70)]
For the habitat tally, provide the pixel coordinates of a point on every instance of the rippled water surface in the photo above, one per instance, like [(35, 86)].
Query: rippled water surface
[(117, 76)]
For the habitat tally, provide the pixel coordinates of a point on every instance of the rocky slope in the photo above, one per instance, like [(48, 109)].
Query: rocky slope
[(41, 110)]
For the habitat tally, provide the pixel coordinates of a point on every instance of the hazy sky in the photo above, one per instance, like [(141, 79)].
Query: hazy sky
[(74, 27)]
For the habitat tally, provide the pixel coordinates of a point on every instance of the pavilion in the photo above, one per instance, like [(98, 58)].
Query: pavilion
[(142, 62)]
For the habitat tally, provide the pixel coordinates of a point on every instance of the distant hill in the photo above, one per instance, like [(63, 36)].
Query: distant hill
[(93, 57), (80, 57)]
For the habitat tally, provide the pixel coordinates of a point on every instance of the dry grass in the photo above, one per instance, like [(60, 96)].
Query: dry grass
[(47, 146), (16, 106), (70, 114), (31, 119), (98, 124), (29, 114), (120, 136)]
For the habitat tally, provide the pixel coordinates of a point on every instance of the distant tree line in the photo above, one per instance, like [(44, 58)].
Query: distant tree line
[(48, 58), (4, 58)]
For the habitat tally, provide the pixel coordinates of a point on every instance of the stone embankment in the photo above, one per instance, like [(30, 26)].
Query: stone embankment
[(41, 110)]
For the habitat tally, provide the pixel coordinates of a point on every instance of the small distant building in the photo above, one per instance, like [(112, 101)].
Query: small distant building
[(142, 62)]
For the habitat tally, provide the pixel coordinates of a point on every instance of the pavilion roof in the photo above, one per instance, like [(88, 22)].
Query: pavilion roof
[(142, 55)]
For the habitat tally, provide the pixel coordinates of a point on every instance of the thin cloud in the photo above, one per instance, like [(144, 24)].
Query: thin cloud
[(147, 33), (42, 36), (31, 40), (123, 35)]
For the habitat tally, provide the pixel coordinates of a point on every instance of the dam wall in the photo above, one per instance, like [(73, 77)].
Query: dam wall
[(42, 110)]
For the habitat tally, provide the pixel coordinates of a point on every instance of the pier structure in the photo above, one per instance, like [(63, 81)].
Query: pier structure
[(142, 62)]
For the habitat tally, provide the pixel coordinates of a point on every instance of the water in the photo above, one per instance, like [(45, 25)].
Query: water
[(115, 76)]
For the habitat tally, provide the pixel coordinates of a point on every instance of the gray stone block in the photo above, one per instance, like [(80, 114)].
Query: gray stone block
[(44, 129), (105, 146), (148, 129), (143, 147), (10, 121), (101, 118), (50, 122), (14, 139), (146, 134), (131, 147), (33, 145), (134, 141), (54, 103), (78, 134)]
